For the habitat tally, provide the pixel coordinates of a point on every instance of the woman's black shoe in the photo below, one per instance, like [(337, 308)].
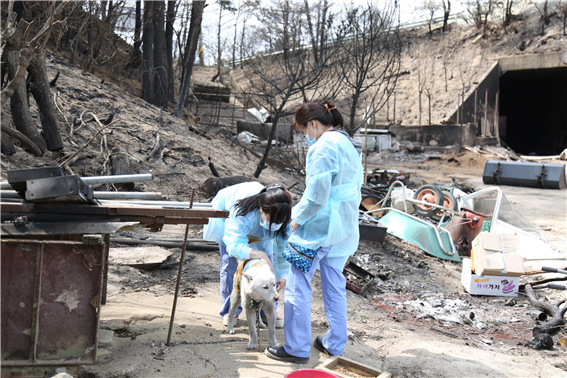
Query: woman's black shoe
[(279, 353), (318, 343)]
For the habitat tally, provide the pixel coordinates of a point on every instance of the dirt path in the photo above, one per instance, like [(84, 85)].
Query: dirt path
[(414, 320), (385, 337)]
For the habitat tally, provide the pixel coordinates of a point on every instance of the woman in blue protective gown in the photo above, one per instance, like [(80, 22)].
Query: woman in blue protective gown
[(325, 219), (258, 227)]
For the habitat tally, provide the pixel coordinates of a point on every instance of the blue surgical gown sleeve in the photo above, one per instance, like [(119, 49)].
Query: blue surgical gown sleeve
[(235, 236), (321, 166), (281, 265)]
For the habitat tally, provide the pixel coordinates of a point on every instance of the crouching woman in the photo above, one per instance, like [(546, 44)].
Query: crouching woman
[(258, 227)]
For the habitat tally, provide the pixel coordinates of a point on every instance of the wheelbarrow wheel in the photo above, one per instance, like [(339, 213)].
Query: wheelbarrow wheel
[(450, 202), (431, 194)]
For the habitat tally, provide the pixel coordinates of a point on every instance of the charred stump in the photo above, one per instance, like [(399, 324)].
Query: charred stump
[(121, 165), (211, 186), (7, 145), (213, 168), (19, 101), (543, 334), (41, 91)]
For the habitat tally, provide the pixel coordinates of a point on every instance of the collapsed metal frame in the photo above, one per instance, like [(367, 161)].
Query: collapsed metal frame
[(27, 223), (41, 334)]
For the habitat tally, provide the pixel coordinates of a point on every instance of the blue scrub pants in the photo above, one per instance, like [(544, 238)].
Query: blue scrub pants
[(297, 312), (227, 269)]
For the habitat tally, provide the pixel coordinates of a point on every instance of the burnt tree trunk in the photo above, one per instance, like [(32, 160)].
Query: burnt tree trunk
[(169, 21), (271, 135), (19, 101), (311, 33), (323, 31), (160, 56), (190, 50), (42, 94), (429, 102), (446, 12), (136, 58), (354, 103), (420, 109), (148, 54), (242, 45), (103, 9), (219, 47)]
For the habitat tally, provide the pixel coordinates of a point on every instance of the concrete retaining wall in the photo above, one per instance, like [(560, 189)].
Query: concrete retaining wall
[(444, 135)]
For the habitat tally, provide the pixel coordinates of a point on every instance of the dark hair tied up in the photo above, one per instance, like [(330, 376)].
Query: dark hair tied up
[(326, 113)]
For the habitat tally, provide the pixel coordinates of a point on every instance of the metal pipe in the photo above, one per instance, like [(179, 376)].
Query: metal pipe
[(176, 204), (9, 194), (95, 180), (117, 179), (102, 195), (538, 315), (128, 195)]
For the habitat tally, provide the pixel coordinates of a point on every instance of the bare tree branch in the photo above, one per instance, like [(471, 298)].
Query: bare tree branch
[(30, 49), (369, 57), (22, 138)]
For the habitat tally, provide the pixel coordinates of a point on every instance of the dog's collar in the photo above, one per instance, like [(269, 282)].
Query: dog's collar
[(254, 303)]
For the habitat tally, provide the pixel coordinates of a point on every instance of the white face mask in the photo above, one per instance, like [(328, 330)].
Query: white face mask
[(308, 139), (275, 226), (266, 224)]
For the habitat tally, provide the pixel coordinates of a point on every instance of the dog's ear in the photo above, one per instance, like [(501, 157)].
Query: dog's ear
[(248, 277)]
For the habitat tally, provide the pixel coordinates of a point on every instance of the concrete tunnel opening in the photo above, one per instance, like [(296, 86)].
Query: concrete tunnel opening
[(533, 110)]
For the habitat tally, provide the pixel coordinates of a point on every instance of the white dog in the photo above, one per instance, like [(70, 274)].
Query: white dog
[(255, 285)]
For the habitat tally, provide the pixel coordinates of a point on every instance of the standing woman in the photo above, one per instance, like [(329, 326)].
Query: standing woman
[(325, 226), (258, 227)]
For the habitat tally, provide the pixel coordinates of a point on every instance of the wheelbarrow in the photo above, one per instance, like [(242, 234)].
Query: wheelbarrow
[(432, 239)]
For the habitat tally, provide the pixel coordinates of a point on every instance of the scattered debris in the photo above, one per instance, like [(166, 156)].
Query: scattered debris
[(248, 137), (146, 258), (357, 278), (415, 148), (190, 292), (543, 335)]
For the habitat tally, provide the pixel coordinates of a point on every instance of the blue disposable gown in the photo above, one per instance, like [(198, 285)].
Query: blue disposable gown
[(328, 210), (241, 234)]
